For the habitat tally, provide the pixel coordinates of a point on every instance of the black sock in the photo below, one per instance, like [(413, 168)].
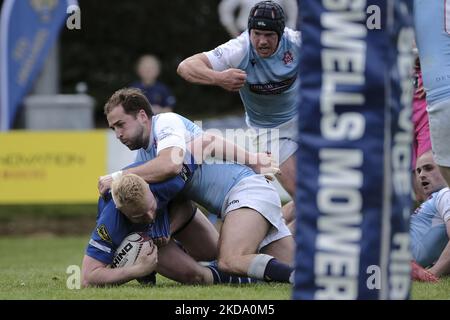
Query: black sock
[(277, 271), (222, 277)]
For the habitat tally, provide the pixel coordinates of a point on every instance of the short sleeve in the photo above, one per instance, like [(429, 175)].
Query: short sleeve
[(443, 204), (229, 54), (107, 235), (170, 132)]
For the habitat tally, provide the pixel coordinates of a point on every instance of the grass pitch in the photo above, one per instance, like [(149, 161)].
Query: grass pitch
[(35, 267)]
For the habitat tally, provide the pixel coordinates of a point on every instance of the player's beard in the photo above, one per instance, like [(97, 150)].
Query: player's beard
[(138, 141)]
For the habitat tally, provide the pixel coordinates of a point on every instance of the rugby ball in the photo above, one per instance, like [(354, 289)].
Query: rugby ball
[(128, 251)]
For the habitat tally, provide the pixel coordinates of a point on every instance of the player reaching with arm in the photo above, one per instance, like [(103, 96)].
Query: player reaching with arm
[(254, 239), (162, 141), (262, 65)]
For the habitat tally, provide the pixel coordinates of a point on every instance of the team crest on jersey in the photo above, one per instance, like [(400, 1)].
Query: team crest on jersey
[(103, 233), (272, 87), (218, 52), (288, 57)]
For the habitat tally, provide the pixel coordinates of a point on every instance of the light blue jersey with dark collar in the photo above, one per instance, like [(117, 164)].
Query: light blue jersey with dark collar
[(270, 93)]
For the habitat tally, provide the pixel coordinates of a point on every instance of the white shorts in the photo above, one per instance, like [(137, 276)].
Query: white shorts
[(281, 141), (257, 193), (439, 119)]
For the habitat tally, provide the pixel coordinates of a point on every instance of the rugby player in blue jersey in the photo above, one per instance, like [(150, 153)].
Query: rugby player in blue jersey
[(254, 239), (262, 64), (165, 219)]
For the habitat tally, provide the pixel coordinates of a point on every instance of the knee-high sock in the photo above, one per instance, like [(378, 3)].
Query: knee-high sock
[(267, 268), (223, 277)]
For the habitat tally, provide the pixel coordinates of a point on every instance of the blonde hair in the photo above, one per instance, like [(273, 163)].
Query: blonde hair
[(129, 192)]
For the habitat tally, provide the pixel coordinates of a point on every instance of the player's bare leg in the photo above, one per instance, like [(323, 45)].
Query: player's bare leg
[(176, 264), (199, 239), (287, 180), (199, 231), (192, 229), (288, 175), (242, 232), (288, 211), (283, 249)]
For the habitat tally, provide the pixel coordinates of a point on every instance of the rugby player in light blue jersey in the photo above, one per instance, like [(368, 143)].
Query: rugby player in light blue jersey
[(254, 239), (262, 64), (156, 217), (432, 23), (430, 226)]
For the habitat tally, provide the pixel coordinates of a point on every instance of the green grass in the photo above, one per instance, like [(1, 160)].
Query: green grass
[(35, 268), (429, 291)]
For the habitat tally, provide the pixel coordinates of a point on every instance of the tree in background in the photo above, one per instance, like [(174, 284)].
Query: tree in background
[(115, 33)]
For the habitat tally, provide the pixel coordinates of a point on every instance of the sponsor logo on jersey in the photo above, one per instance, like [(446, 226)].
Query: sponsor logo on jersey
[(218, 52), (103, 233), (232, 202), (165, 132), (272, 87)]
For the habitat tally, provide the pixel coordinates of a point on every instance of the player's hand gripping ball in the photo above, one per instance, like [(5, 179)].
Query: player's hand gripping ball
[(127, 253)]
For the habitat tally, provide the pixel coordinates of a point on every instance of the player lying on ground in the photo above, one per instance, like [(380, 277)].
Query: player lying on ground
[(247, 245), (197, 235), (430, 226), (254, 238)]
